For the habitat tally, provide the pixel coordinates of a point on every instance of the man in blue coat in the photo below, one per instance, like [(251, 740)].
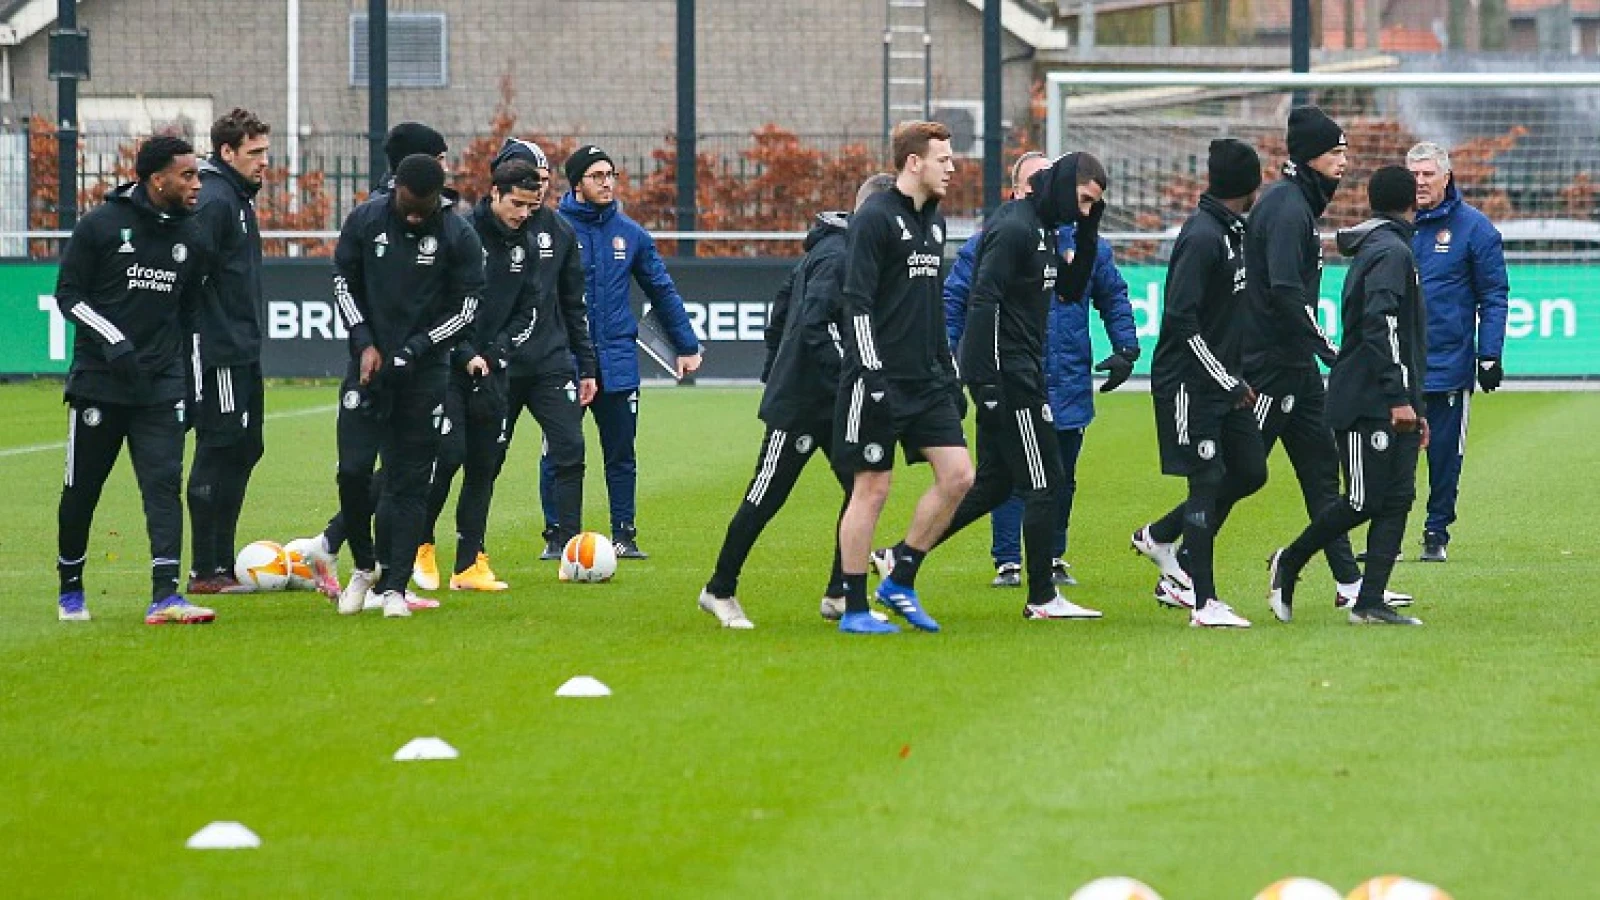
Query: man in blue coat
[(1068, 380), (1464, 286), (616, 251)]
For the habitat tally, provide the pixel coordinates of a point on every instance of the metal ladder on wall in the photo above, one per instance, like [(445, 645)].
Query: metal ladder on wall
[(907, 63)]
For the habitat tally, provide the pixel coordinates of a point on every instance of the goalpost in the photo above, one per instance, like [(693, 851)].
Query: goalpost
[(1525, 149)]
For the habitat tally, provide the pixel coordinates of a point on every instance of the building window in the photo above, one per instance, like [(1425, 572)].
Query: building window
[(418, 50)]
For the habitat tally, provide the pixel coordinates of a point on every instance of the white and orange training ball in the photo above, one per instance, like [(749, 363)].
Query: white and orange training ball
[(1298, 889), (262, 566), (1117, 888), (1396, 887), (301, 575), (588, 558)]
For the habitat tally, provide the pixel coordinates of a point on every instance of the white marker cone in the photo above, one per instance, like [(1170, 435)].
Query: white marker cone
[(583, 686), (224, 836), (425, 748)]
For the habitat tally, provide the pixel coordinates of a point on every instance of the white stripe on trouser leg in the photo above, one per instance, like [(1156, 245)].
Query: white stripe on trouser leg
[(1357, 488), (769, 467), (852, 418), (1030, 450), (72, 441), (1263, 407), (199, 373), (1466, 412), (224, 395), (1180, 416)]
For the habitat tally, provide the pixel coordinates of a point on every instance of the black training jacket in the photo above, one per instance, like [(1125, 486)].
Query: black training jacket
[(1283, 251), (1008, 309), (891, 308), (1384, 358), (1205, 311), (398, 286), (130, 279), (803, 345), (228, 320), (506, 317), (561, 327)]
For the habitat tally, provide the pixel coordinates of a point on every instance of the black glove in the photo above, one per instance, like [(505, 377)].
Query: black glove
[(487, 404), (125, 366), (876, 385), (397, 370), (987, 397), (497, 355), (1118, 367), (1490, 374)]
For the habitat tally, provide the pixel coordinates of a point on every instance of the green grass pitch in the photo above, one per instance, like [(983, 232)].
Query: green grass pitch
[(1001, 758)]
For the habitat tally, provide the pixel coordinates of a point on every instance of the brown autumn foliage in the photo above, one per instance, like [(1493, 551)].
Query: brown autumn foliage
[(274, 212)]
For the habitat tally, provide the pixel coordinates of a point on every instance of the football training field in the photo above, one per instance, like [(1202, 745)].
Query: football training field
[(1001, 758)]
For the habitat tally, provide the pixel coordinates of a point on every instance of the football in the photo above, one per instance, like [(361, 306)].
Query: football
[(1115, 889), (262, 566), (1298, 889), (301, 576), (1396, 887), (589, 557)]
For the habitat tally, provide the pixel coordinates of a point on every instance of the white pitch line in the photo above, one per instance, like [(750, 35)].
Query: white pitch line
[(62, 445)]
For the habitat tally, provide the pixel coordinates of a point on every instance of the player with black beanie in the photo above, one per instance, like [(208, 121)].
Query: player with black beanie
[(408, 278), (1375, 393), (1204, 422), (553, 374), (130, 281)]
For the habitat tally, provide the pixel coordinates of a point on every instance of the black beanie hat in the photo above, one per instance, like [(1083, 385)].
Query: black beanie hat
[(520, 149), (410, 138), (1393, 189), (1312, 133), (580, 161), (1234, 169)]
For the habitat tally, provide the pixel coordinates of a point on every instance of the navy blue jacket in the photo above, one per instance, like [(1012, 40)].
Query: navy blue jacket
[(1068, 359), (616, 250), (1464, 286)]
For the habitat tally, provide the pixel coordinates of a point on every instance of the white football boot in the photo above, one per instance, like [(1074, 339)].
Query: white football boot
[(1059, 608), (1174, 596), (354, 597), (395, 606), (1165, 556), (726, 610), (1216, 614), (324, 565), (1344, 596)]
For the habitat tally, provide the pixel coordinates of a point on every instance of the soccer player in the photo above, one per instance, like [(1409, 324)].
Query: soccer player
[(1016, 274), (553, 373), (1068, 376), (1374, 393), (130, 279), (1205, 424), (802, 378), (615, 251), (229, 395), (1464, 280), (408, 275), (898, 382), (476, 406)]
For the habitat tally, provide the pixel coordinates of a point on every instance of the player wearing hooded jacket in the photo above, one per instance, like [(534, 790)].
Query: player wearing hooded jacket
[(1002, 354), (553, 375), (229, 395), (407, 283), (476, 407), (802, 382), (130, 279), (1375, 396)]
